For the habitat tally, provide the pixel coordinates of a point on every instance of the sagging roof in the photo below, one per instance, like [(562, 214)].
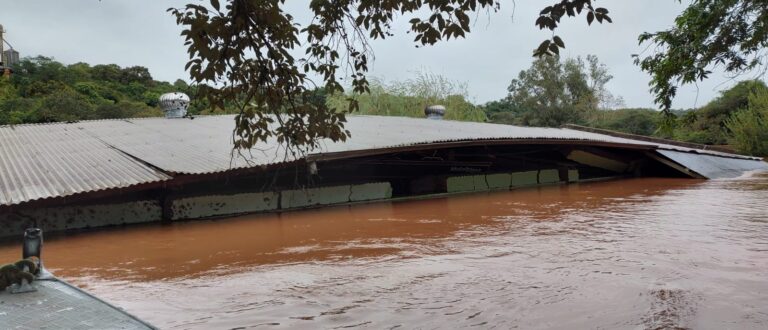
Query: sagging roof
[(712, 167), (53, 160)]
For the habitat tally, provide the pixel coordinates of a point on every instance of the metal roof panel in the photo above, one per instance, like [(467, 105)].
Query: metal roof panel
[(52, 160), (714, 167)]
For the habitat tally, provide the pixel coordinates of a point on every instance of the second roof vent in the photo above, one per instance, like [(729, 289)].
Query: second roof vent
[(435, 111)]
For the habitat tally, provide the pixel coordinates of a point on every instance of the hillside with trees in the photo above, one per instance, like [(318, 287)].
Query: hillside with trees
[(43, 90)]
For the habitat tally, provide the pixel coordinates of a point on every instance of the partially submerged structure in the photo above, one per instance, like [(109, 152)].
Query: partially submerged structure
[(95, 173)]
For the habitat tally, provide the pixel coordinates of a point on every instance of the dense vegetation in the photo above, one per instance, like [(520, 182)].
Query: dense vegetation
[(43, 90), (409, 98), (555, 91), (749, 126)]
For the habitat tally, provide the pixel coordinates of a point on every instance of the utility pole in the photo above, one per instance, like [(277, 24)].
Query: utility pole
[(2, 43), (5, 71)]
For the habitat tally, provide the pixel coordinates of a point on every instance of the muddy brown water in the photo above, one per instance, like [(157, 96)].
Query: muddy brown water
[(629, 254)]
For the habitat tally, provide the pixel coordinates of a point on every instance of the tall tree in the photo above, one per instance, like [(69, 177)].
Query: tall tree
[(554, 92), (599, 76)]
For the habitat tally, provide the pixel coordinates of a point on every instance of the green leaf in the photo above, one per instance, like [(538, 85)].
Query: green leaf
[(558, 41), (553, 48)]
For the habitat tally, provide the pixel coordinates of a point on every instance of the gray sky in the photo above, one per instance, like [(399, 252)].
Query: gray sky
[(143, 33)]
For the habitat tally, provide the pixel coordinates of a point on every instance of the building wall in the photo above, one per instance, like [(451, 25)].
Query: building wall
[(61, 218), (506, 181), (136, 208), (222, 205), (103, 213)]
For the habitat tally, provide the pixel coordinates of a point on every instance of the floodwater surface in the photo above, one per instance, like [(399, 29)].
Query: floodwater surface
[(629, 254)]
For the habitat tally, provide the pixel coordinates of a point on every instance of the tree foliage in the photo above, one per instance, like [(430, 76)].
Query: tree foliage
[(244, 51), (748, 127), (553, 92), (549, 18), (727, 34), (707, 124), (633, 121), (44, 90), (409, 98)]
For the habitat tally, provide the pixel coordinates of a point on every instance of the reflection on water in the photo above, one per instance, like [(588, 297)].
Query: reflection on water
[(643, 253)]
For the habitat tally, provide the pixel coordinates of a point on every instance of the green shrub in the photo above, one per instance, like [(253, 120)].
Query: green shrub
[(748, 127)]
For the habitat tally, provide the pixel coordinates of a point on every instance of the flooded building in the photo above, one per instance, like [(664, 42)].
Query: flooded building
[(87, 174)]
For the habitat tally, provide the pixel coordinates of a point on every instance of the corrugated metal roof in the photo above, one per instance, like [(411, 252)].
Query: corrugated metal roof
[(204, 144), (374, 132), (41, 161), (198, 146), (51, 160), (714, 167)]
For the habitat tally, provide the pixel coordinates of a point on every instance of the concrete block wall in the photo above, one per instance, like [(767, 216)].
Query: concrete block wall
[(549, 176), (214, 205), (61, 218), (52, 219), (524, 179), (290, 199), (221, 205), (504, 181), (573, 175), (499, 181)]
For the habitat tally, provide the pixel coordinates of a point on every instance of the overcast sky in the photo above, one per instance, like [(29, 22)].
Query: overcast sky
[(142, 33)]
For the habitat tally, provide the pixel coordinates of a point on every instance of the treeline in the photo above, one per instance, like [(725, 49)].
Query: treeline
[(43, 90), (555, 91)]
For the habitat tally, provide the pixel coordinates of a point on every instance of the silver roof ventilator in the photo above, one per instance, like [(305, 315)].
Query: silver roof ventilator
[(174, 105), (436, 111)]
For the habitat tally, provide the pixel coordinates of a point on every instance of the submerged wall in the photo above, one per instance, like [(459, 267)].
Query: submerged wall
[(101, 213), (506, 181), (52, 219), (221, 205), (104, 213)]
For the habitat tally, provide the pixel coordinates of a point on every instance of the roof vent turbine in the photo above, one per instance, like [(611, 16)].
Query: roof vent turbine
[(434, 111), (174, 105)]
